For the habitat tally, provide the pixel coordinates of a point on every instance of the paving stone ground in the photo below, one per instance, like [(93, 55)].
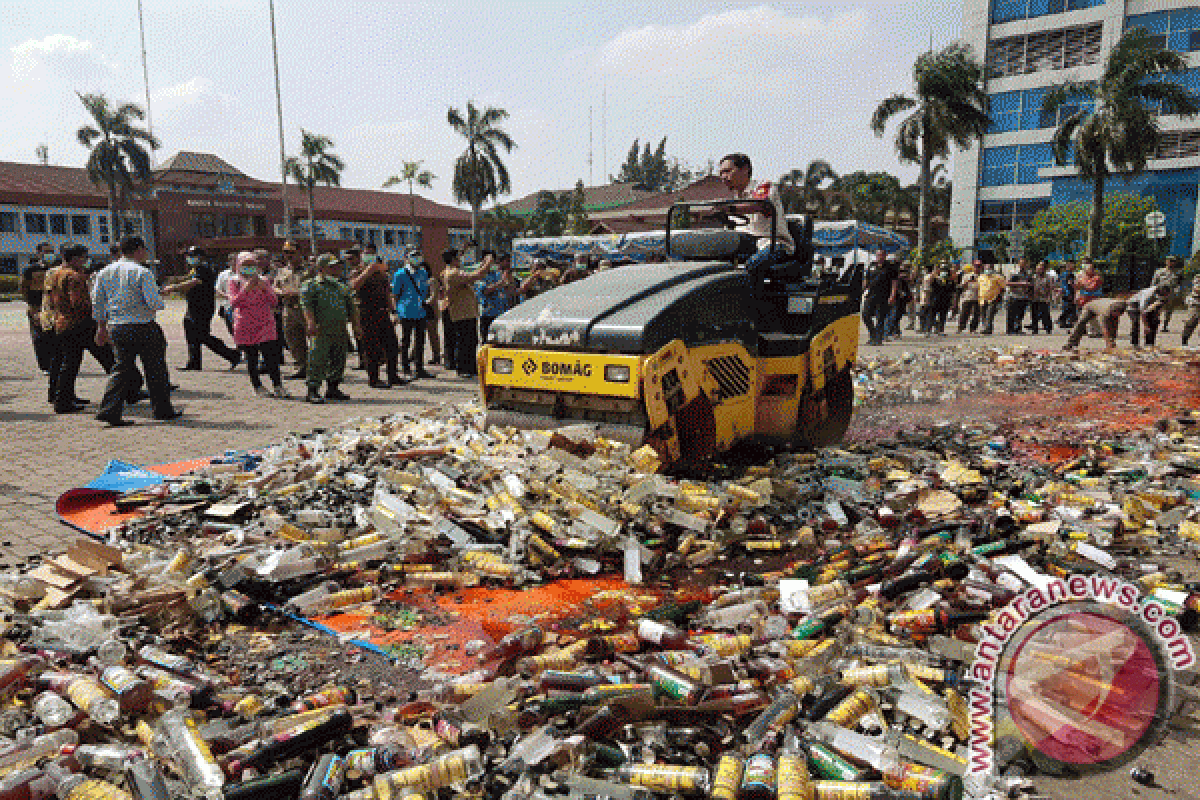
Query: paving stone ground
[(42, 454)]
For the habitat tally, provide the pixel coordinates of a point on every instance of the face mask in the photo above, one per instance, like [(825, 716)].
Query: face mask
[(248, 272), (369, 259), (48, 258), (192, 261)]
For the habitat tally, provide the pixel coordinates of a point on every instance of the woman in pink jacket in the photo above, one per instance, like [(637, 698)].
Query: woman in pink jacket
[(253, 303)]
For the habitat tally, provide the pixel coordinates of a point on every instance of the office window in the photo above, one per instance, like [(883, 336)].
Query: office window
[(360, 235), (997, 216), (8, 263), (389, 238), (8, 222), (204, 225), (1005, 110), (1015, 164), (999, 166), (371, 236), (35, 223), (1178, 29), (58, 224), (1031, 158), (1045, 51), (260, 225), (345, 234), (102, 228), (81, 225), (1009, 10), (1178, 144)]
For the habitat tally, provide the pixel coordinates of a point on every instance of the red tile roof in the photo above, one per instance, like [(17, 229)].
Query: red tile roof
[(189, 161), (368, 204), (611, 195), (34, 183)]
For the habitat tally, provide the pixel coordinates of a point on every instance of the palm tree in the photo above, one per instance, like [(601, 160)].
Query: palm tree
[(949, 106), (315, 165), (1120, 130), (118, 160), (411, 173), (808, 181), (479, 174)]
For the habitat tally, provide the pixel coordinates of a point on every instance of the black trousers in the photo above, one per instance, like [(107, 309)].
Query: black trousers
[(272, 357), (144, 341), (412, 345), (379, 347), (42, 343), (485, 324), (66, 349), (1041, 316), (1016, 314), (198, 333), (449, 348), (466, 340)]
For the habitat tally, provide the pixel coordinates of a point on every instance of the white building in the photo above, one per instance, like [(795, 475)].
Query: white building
[(1032, 45)]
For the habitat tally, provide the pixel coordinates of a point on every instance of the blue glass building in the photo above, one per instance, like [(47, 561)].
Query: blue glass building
[(1031, 46)]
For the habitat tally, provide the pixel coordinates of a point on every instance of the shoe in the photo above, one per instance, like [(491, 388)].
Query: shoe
[(68, 410), (137, 397), (262, 391), (299, 376), (434, 362), (374, 384), (235, 362), (422, 374), (334, 393), (190, 368), (82, 401), (314, 396), (174, 413), (280, 392), (115, 422)]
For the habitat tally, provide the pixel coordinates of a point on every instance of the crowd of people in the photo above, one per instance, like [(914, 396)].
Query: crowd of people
[(314, 310), (974, 295)]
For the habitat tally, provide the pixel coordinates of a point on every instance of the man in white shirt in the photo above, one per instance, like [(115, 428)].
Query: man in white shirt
[(735, 172), (222, 292)]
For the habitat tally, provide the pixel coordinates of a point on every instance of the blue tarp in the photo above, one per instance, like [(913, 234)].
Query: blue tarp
[(837, 238), (620, 248), (121, 477)]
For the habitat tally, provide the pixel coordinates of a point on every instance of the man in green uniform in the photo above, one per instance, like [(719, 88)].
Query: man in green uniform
[(328, 305), (288, 281)]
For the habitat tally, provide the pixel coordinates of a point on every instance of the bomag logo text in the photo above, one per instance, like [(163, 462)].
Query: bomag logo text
[(566, 369)]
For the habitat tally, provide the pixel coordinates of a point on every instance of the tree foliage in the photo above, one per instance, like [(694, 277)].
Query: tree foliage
[(800, 188), (118, 159), (872, 194), (412, 173), (653, 170), (480, 173), (1112, 124), (948, 107), (1062, 229), (315, 164)]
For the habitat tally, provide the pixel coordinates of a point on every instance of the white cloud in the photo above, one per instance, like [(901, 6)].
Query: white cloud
[(760, 51), (60, 57)]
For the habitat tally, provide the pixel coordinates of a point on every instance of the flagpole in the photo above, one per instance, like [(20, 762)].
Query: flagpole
[(146, 77), (287, 211)]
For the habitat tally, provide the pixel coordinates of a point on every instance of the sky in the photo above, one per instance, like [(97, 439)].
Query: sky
[(782, 82)]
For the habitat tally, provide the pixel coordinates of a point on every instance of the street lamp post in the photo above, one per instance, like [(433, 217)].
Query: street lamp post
[(287, 211)]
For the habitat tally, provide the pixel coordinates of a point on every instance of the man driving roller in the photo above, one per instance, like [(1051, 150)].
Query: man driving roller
[(735, 171)]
